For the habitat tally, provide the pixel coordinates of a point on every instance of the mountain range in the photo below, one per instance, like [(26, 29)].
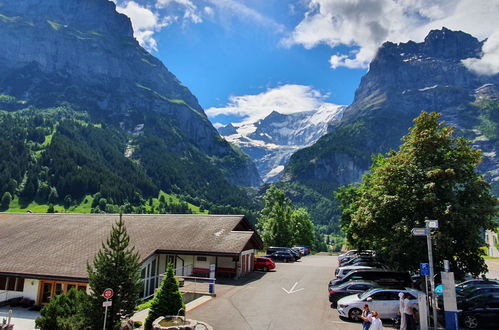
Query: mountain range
[(403, 80), (98, 113)]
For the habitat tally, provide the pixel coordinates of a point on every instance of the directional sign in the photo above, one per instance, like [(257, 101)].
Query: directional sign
[(424, 269), (107, 303), (419, 231), (108, 293)]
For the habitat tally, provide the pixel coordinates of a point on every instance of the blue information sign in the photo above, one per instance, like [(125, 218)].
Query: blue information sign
[(424, 269)]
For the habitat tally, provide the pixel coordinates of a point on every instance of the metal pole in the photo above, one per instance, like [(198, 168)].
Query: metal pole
[(427, 297), (432, 279), (105, 317)]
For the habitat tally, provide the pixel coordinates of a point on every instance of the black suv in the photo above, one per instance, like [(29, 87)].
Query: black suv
[(384, 278)]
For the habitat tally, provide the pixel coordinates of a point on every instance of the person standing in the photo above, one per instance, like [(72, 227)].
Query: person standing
[(366, 318), (403, 323), (376, 323), (409, 313)]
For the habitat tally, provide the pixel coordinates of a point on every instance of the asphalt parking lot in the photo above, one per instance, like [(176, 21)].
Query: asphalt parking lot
[(293, 297)]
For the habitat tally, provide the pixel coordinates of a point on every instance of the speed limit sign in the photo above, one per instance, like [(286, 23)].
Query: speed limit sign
[(108, 293)]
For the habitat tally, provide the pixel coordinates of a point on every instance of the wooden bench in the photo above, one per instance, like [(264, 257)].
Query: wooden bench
[(201, 272)]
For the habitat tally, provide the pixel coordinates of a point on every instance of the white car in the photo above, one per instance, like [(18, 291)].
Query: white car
[(383, 301)]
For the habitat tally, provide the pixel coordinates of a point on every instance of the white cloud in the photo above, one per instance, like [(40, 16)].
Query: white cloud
[(283, 99), (233, 8), (190, 10), (489, 63), (366, 24), (144, 21)]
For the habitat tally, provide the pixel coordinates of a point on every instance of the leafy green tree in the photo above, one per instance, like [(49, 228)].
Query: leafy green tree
[(6, 199), (274, 221), (432, 176), (115, 266), (168, 299), (67, 311), (302, 227)]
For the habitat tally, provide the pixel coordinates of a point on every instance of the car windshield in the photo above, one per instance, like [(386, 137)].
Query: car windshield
[(366, 293)]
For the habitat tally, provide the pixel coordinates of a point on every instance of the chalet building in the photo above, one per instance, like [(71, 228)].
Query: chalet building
[(42, 255)]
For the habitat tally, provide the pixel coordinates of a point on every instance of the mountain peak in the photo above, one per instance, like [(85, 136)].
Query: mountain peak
[(445, 43)]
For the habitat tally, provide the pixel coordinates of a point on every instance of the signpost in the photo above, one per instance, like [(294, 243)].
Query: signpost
[(430, 224), (107, 294)]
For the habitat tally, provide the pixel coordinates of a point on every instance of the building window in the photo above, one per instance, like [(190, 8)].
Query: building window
[(11, 283), (201, 259)]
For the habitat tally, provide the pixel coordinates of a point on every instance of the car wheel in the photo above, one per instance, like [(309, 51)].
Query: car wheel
[(471, 322), (265, 269), (355, 314)]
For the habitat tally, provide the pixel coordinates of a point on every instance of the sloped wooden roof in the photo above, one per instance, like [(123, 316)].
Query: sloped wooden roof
[(60, 245)]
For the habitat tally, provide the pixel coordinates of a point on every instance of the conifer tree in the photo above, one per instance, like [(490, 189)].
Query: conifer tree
[(168, 299), (6, 199), (115, 266)]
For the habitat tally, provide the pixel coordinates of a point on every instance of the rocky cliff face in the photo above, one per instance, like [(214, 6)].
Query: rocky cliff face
[(271, 141), (403, 80), (83, 52)]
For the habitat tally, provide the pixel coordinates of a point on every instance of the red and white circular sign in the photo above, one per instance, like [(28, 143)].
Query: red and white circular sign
[(108, 293)]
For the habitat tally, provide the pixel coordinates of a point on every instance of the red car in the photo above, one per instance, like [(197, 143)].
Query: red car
[(265, 264)]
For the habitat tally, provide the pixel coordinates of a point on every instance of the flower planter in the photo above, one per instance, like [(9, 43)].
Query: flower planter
[(172, 322)]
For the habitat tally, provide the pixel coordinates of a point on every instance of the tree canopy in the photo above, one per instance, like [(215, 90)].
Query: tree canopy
[(282, 225), (432, 177)]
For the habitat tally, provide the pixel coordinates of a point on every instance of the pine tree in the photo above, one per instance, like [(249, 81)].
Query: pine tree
[(6, 199), (115, 266), (168, 299)]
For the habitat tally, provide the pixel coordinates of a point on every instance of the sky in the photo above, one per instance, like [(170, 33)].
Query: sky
[(243, 59)]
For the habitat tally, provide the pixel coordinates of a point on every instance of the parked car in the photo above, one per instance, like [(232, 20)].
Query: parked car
[(342, 271), (383, 301), (285, 256), (301, 249), (273, 249), (264, 264), (480, 312), (297, 250), (474, 283), (477, 283), (347, 289), (357, 260), (469, 294), (307, 249), (384, 278), (352, 254)]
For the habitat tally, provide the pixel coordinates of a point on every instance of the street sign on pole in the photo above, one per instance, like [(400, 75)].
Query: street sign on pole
[(424, 269), (419, 231), (107, 303), (108, 293)]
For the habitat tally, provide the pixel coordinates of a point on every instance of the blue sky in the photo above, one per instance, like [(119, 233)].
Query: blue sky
[(243, 59)]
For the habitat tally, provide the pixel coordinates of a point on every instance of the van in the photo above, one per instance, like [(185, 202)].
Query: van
[(385, 278)]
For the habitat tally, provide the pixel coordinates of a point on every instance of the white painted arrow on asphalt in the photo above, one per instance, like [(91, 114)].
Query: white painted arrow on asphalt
[(293, 289)]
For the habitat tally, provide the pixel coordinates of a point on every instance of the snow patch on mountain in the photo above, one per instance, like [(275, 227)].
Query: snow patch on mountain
[(271, 141)]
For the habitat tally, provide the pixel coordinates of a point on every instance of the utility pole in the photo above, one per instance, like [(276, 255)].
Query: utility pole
[(432, 224)]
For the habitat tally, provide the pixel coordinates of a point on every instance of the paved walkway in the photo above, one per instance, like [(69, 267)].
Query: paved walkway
[(22, 318)]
